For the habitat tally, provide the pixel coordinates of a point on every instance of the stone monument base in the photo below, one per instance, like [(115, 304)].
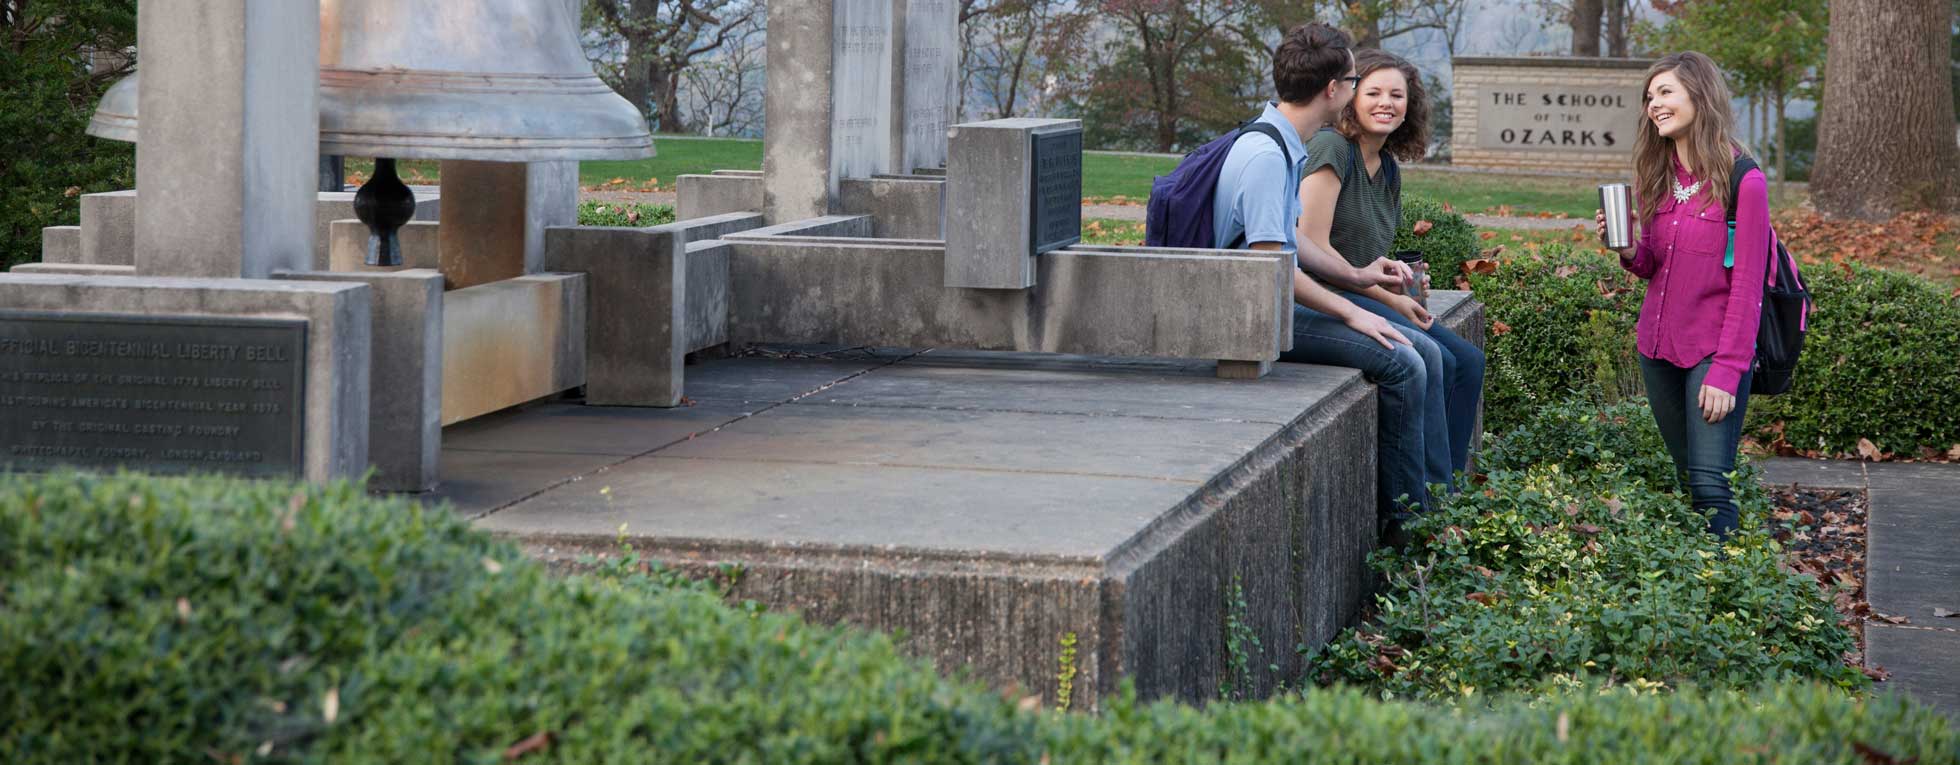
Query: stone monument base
[(993, 506)]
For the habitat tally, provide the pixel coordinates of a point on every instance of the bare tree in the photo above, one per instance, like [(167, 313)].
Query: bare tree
[(641, 47), (1008, 50), (721, 94), (1618, 19)]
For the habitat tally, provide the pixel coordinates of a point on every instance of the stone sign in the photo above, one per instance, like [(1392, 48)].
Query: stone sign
[(165, 395), (861, 118), (1551, 114), (927, 87), (1056, 198)]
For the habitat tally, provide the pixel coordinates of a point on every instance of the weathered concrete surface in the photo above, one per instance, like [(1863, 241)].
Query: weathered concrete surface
[(701, 196), (900, 208), (1922, 663), (109, 228), (338, 340), (872, 292), (987, 504), (494, 223), (636, 336), (925, 73), (990, 216), (1911, 533), (405, 374), (228, 147), (73, 269), (347, 246), (61, 244), (796, 147), (511, 341)]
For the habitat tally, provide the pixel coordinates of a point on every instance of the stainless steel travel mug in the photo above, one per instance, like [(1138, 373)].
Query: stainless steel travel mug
[(1615, 199)]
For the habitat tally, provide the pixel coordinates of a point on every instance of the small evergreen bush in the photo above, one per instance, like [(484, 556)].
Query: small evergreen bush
[(1881, 361), (1577, 560), (1558, 322), (623, 214), (202, 619), (1446, 244)]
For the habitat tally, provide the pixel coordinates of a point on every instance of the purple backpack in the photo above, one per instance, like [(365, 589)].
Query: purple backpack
[(1179, 213)]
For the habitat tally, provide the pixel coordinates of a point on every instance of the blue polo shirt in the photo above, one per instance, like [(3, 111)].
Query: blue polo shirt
[(1258, 194)]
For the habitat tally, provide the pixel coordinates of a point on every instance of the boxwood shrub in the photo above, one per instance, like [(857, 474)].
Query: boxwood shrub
[(1559, 322), (1881, 361), (198, 619), (1449, 240), (1577, 560), (594, 212)]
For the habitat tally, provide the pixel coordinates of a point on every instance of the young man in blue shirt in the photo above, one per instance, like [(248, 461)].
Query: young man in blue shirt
[(1257, 206)]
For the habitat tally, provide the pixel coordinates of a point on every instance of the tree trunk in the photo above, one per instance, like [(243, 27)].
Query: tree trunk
[(1616, 28), (1782, 143), (1885, 129), (1585, 26)]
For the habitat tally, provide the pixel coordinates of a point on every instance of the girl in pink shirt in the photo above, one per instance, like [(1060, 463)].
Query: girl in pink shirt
[(1697, 328)]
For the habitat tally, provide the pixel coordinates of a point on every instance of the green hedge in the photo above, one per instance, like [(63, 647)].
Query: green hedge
[(47, 95), (1576, 560), (625, 214), (1448, 242), (1881, 361), (179, 620)]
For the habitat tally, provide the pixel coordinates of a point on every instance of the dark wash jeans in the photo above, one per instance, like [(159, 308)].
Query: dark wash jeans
[(1402, 383), (1453, 395), (1704, 454)]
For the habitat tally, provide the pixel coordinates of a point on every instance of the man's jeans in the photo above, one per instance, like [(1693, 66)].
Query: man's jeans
[(1703, 454), (1457, 391), (1403, 384)]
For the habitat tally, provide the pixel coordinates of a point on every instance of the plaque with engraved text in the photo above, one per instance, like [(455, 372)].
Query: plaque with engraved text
[(1057, 193), (175, 394)]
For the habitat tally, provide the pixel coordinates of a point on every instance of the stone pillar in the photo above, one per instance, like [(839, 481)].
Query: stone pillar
[(925, 82), (829, 102), (229, 142), (1013, 191), (494, 215)]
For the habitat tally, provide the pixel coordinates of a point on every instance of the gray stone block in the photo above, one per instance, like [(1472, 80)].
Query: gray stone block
[(705, 308), (348, 241), (229, 164), (907, 208), (718, 226), (993, 217), (871, 293), (496, 216), (907, 496), (109, 228), (829, 226), (339, 205), (925, 81), (405, 378), (73, 269), (701, 196), (338, 340), (61, 244), (637, 334), (830, 108), (512, 341)]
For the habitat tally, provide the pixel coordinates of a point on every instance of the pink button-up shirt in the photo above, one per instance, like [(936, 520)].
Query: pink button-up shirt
[(1695, 307)]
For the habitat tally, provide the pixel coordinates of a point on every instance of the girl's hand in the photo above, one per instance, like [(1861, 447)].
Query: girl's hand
[(1599, 221), (1413, 311), (1715, 404)]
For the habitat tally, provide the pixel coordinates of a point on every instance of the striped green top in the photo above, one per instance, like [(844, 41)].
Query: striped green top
[(1369, 208)]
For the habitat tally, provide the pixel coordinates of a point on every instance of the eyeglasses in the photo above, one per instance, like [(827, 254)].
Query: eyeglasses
[(1353, 82)]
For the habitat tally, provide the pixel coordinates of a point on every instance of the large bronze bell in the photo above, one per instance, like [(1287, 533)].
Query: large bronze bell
[(499, 80), (495, 80)]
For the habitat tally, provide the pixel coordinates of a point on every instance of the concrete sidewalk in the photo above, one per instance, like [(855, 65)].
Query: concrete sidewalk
[(1911, 567)]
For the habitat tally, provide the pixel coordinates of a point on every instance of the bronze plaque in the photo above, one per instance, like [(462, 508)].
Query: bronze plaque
[(161, 394), (1057, 193)]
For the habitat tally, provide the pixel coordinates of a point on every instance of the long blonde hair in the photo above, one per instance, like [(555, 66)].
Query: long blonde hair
[(1711, 137)]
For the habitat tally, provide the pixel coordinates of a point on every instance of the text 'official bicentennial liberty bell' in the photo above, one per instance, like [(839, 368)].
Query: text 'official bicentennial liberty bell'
[(495, 80)]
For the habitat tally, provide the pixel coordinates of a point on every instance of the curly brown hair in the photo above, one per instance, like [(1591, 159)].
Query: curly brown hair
[(1410, 141)]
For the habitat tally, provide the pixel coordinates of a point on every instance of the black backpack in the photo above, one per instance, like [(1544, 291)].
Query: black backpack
[(1786, 305)]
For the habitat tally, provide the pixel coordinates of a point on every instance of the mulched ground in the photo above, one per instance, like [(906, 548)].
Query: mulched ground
[(1823, 534)]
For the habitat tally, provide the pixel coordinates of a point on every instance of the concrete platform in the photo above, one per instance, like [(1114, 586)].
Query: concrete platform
[(983, 504)]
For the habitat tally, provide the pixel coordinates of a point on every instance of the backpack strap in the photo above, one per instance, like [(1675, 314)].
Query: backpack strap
[(1743, 164), (1266, 129)]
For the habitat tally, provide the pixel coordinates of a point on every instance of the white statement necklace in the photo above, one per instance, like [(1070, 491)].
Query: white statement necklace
[(1682, 195)]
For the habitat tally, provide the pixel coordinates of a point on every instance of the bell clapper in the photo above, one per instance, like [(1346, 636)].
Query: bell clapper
[(385, 204)]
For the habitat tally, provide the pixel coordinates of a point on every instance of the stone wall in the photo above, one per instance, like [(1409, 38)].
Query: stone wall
[(1574, 115)]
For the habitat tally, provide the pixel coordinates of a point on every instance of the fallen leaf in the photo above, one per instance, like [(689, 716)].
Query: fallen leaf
[(1029, 703), (535, 742), (1889, 619), (1481, 597), (1421, 227), (183, 609), (330, 705), (491, 565), (71, 191), (1943, 613), (1479, 266), (1498, 328), (1954, 453), (1487, 235), (1565, 272), (1484, 572), (1564, 727), (1867, 449)]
